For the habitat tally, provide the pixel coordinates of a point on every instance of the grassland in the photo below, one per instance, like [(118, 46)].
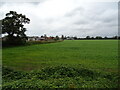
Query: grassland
[(97, 54), (91, 63)]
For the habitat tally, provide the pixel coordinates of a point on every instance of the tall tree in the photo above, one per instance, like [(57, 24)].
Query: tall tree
[(62, 37), (12, 25)]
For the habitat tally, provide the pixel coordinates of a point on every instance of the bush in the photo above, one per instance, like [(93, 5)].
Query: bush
[(13, 41), (58, 77)]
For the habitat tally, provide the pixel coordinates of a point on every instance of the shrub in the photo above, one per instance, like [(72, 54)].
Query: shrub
[(58, 77)]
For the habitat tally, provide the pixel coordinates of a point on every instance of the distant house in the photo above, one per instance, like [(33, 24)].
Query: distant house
[(70, 38), (42, 38), (50, 38), (33, 38)]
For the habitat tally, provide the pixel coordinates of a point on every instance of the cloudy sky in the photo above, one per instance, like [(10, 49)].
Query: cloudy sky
[(67, 17)]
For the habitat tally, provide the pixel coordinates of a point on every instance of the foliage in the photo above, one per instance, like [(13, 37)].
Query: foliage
[(57, 38), (58, 77), (62, 37), (98, 37), (87, 37), (12, 25)]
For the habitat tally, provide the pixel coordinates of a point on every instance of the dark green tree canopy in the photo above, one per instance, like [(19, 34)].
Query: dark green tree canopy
[(12, 24), (87, 37)]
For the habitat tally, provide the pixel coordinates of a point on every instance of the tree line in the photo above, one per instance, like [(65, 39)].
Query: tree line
[(88, 37)]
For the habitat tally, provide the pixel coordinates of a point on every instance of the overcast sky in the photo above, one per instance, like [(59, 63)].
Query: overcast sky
[(67, 17)]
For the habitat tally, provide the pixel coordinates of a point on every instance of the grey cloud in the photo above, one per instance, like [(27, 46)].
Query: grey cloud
[(2, 3), (93, 20), (75, 11), (81, 22)]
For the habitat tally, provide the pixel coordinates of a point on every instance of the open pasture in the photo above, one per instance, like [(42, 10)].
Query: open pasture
[(95, 54)]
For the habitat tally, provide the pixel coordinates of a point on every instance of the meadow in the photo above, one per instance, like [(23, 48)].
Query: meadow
[(67, 64)]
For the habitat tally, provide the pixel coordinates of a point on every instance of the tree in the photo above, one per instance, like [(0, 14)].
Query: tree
[(57, 38), (87, 37), (115, 37), (65, 37), (62, 37), (118, 37), (75, 37), (98, 37), (92, 37), (105, 37), (12, 25)]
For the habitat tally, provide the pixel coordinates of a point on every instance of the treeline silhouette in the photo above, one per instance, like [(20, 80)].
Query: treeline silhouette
[(89, 38)]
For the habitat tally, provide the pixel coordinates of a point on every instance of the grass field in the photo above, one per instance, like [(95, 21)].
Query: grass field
[(97, 54), (70, 55)]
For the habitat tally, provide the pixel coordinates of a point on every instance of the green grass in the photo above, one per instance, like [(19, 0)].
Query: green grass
[(67, 64), (97, 54)]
